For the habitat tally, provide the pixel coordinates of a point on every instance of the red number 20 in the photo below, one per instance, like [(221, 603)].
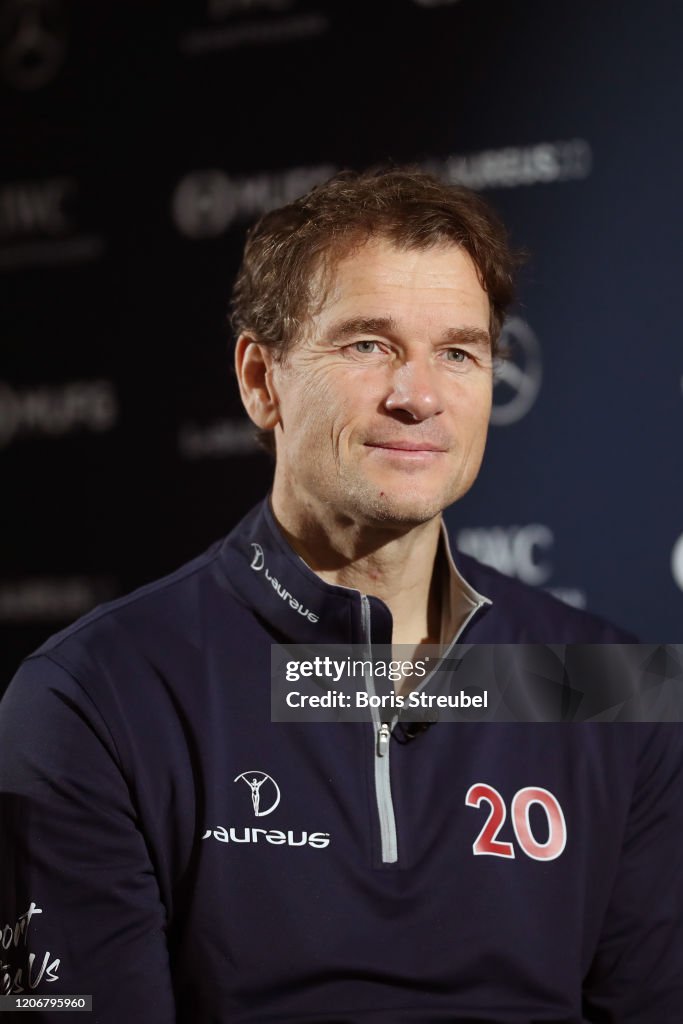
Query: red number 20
[(486, 842)]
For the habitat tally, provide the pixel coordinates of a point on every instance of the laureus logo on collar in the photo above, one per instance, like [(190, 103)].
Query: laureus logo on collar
[(258, 782), (258, 559), (258, 563)]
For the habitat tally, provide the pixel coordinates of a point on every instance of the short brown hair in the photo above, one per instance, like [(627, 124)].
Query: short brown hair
[(288, 248)]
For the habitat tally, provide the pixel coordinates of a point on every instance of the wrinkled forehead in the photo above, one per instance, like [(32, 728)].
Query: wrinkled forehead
[(377, 274), (325, 269)]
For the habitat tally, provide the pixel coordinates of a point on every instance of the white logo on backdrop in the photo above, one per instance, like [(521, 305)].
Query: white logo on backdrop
[(677, 562), (32, 42), (574, 596), (35, 207), (56, 410), (206, 203), (217, 439), (219, 9), (518, 377), (234, 23), (37, 227), (541, 163), (52, 598), (203, 204), (520, 551)]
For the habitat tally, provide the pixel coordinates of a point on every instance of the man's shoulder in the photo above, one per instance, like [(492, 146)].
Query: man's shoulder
[(163, 615), (520, 613)]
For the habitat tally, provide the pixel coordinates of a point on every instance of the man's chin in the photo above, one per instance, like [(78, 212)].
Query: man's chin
[(403, 509)]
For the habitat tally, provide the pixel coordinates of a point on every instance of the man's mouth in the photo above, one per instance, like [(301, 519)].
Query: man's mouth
[(406, 446)]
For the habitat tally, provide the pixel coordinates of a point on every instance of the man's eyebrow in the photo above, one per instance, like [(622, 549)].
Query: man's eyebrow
[(362, 325), (387, 325), (467, 336)]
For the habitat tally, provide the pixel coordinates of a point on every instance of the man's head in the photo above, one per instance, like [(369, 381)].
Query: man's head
[(368, 313), (292, 251)]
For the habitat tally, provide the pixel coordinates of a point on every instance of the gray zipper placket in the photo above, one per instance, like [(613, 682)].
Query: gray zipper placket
[(382, 735), (382, 738)]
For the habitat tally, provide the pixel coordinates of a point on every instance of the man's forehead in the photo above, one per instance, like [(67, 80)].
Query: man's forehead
[(379, 269), (358, 258)]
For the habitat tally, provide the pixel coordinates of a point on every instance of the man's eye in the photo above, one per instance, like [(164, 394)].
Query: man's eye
[(366, 347), (456, 355)]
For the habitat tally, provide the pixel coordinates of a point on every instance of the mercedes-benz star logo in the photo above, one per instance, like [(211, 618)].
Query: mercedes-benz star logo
[(203, 204), (517, 381), (256, 782), (33, 39), (677, 562)]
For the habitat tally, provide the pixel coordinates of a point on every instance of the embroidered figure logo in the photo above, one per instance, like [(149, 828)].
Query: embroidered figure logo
[(258, 559), (255, 780)]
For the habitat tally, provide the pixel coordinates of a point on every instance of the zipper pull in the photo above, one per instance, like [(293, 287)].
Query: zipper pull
[(383, 737)]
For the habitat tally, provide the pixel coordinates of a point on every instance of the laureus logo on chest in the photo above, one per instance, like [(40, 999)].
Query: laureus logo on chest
[(265, 797)]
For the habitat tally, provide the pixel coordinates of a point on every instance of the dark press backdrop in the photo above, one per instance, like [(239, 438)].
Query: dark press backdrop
[(139, 141)]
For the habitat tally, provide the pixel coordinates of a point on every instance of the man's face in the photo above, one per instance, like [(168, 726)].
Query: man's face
[(384, 400)]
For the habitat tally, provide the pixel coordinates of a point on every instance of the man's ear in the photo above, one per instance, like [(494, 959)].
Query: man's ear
[(253, 366)]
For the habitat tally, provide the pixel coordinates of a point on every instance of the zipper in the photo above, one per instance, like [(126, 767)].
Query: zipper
[(382, 730), (383, 737), (382, 759)]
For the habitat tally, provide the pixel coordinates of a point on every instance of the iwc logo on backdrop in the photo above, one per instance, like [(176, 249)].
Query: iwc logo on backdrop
[(38, 224), (522, 552), (677, 562), (518, 377), (32, 42), (518, 551), (265, 792), (37, 208)]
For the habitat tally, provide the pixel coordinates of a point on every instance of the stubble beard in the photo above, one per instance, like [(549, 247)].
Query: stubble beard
[(367, 501)]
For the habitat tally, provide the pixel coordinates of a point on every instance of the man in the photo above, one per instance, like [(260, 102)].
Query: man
[(173, 853)]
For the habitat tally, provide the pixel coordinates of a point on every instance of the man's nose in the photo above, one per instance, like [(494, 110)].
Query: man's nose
[(415, 390)]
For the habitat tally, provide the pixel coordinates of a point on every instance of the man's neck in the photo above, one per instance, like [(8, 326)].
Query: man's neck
[(391, 563)]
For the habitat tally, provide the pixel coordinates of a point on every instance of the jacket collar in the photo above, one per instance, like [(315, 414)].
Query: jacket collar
[(273, 580), (460, 601)]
